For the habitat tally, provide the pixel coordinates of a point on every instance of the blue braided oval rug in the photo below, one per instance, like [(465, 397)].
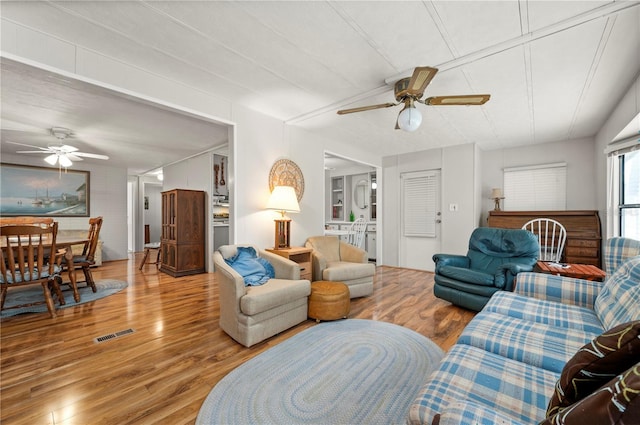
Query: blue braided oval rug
[(351, 371), (33, 293)]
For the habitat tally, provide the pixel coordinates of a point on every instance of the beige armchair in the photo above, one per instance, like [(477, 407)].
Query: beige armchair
[(250, 314), (338, 261)]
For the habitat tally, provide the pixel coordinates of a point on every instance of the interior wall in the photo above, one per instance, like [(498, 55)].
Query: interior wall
[(194, 174), (107, 197), (457, 165), (578, 154), (628, 109), (458, 188), (152, 212)]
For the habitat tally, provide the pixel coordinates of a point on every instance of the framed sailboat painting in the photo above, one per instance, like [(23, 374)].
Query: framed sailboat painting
[(27, 190)]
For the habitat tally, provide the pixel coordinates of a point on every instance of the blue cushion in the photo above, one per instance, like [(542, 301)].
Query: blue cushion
[(254, 270), (27, 276)]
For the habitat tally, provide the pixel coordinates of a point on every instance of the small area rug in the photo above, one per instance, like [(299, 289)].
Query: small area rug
[(33, 293), (351, 371)]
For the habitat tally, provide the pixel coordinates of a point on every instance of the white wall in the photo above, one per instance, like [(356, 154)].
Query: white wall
[(628, 109), (195, 174), (107, 197), (152, 216), (458, 168), (578, 154)]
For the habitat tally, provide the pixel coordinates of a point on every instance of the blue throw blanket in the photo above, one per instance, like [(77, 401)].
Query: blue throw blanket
[(254, 270)]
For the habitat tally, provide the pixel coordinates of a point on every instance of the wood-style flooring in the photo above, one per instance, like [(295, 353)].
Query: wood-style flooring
[(52, 372)]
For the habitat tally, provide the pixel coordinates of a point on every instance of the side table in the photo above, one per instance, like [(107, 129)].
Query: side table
[(300, 255), (580, 271)]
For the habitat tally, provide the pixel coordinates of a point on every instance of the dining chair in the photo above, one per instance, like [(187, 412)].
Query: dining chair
[(148, 246), (29, 257), (357, 232), (25, 220), (85, 260), (551, 236)]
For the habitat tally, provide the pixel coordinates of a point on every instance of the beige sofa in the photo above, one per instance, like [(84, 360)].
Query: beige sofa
[(77, 249), (250, 314), (337, 261)]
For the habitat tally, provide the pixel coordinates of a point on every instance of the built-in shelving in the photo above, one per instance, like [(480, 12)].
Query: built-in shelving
[(373, 201), (337, 198)]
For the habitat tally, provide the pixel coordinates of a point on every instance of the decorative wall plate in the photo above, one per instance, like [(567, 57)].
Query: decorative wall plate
[(285, 172)]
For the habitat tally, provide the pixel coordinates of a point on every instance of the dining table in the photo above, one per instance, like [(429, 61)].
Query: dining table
[(64, 242)]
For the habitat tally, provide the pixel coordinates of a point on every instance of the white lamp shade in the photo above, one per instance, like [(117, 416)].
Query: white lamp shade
[(496, 193), (64, 161), (283, 199), (52, 159), (409, 119)]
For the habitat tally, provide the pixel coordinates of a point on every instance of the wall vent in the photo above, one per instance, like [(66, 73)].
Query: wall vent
[(114, 335)]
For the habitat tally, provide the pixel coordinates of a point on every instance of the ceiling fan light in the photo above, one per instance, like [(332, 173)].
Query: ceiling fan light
[(409, 119), (65, 162), (52, 159)]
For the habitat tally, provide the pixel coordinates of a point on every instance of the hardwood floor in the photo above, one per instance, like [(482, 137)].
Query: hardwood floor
[(52, 372)]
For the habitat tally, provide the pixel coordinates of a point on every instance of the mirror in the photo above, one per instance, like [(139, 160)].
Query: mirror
[(360, 194)]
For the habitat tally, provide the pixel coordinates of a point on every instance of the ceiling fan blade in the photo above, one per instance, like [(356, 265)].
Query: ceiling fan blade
[(73, 156), (32, 151), (89, 155), (68, 149), (366, 108), (466, 99), (420, 79), (29, 146)]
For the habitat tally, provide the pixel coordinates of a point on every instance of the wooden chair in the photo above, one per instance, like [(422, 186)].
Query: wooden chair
[(85, 260), (551, 236), (356, 233), (148, 246), (26, 259), (25, 220)]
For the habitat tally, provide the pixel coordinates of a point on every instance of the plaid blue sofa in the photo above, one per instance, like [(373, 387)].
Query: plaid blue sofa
[(505, 364)]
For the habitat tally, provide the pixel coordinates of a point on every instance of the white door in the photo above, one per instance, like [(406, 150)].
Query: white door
[(420, 217)]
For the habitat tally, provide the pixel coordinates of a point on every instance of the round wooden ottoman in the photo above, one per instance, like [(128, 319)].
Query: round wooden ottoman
[(329, 300)]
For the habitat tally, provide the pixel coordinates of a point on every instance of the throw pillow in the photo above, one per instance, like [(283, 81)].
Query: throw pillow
[(253, 269), (617, 402), (595, 364)]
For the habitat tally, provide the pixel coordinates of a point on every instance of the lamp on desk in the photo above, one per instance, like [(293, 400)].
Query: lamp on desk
[(496, 195), (283, 199)]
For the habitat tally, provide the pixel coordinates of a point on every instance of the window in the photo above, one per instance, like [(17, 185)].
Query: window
[(629, 202), (536, 188)]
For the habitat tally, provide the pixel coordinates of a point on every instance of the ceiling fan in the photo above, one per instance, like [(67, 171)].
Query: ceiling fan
[(409, 90), (61, 154)]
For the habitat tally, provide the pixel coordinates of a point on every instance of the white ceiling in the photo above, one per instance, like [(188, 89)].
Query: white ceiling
[(555, 70)]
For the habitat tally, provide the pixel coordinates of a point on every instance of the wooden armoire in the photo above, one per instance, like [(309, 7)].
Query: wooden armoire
[(183, 232)]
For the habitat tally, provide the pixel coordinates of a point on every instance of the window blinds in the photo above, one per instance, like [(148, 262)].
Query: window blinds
[(419, 203), (536, 188)]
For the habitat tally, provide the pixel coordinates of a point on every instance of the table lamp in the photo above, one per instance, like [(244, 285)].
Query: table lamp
[(496, 195), (283, 199)]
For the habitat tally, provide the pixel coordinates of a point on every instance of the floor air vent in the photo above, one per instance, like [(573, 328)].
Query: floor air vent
[(114, 335)]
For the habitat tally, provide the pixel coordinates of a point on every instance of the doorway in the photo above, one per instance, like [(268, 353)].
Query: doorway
[(420, 218), (352, 191), (151, 210)]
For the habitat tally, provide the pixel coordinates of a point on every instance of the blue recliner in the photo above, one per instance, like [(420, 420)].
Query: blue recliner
[(495, 257)]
